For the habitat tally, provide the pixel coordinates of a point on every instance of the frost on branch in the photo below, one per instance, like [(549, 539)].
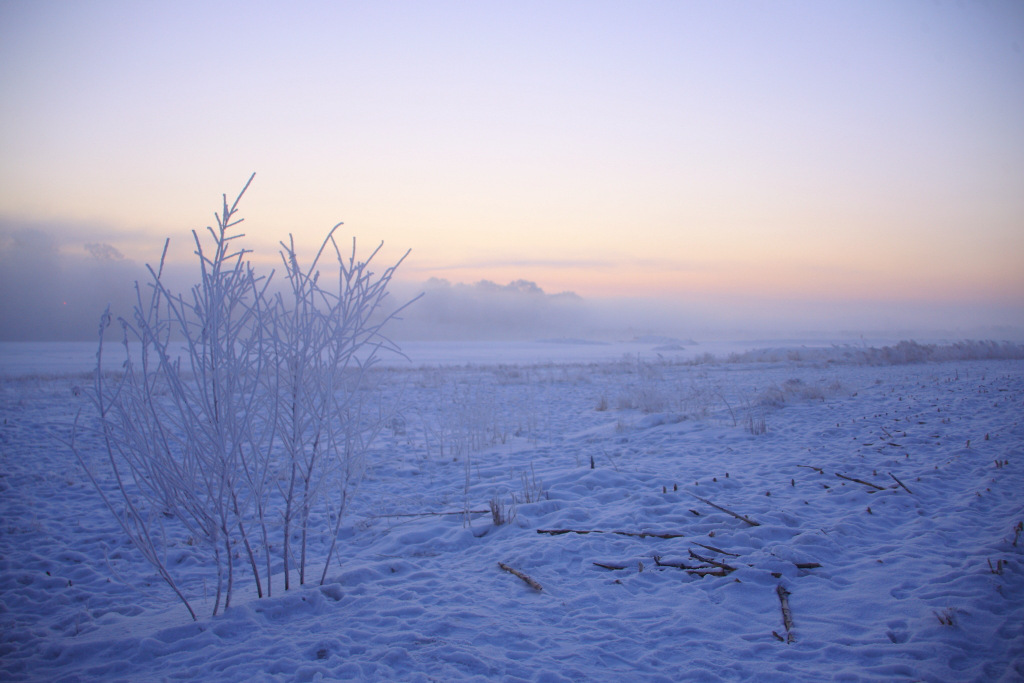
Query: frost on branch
[(239, 421)]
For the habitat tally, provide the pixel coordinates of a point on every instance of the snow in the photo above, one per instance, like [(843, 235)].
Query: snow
[(924, 582)]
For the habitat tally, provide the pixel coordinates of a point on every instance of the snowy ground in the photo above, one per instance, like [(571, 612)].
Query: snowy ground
[(916, 579)]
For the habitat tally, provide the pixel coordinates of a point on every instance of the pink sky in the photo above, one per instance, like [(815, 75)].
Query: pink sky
[(847, 152)]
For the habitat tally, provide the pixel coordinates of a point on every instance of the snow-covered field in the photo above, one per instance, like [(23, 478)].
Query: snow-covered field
[(687, 504)]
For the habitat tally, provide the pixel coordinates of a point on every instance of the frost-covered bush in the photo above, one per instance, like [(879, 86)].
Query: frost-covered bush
[(237, 412)]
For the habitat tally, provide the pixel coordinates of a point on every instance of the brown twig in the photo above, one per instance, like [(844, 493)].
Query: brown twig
[(677, 565), (860, 481), (812, 467), (901, 483), (638, 534), (726, 510), (714, 549), (613, 567), (515, 572), (714, 563), (787, 615), (807, 565)]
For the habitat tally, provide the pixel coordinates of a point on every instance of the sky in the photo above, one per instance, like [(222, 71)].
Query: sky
[(679, 166)]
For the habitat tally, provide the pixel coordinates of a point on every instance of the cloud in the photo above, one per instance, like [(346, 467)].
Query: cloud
[(102, 251), (522, 310), (488, 311)]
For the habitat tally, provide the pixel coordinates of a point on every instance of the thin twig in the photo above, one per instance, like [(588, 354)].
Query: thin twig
[(860, 481), (515, 572), (638, 534), (677, 565), (613, 567), (726, 511), (714, 563), (714, 549), (901, 483)]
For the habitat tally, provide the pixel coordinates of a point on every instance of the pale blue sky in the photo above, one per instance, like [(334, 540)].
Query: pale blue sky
[(826, 151)]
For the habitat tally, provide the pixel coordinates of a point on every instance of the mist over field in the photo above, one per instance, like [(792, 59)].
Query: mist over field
[(56, 287)]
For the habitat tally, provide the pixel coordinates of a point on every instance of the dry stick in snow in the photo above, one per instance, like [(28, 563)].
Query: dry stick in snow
[(727, 511), (714, 549), (901, 484), (787, 615), (812, 467), (860, 481), (529, 582), (677, 565), (715, 563), (613, 567), (638, 534)]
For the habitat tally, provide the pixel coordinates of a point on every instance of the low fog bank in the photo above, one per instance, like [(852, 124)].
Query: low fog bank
[(54, 287), (522, 311), (55, 284), (51, 291)]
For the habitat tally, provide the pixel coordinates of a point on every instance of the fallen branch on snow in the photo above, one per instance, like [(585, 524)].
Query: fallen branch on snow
[(714, 549), (861, 481), (787, 615), (901, 483), (515, 572), (613, 567), (726, 510), (713, 563), (638, 534), (676, 565)]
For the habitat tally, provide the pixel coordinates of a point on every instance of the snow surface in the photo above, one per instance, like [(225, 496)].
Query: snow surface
[(924, 582)]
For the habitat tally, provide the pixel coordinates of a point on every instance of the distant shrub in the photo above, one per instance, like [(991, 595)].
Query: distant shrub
[(902, 353)]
